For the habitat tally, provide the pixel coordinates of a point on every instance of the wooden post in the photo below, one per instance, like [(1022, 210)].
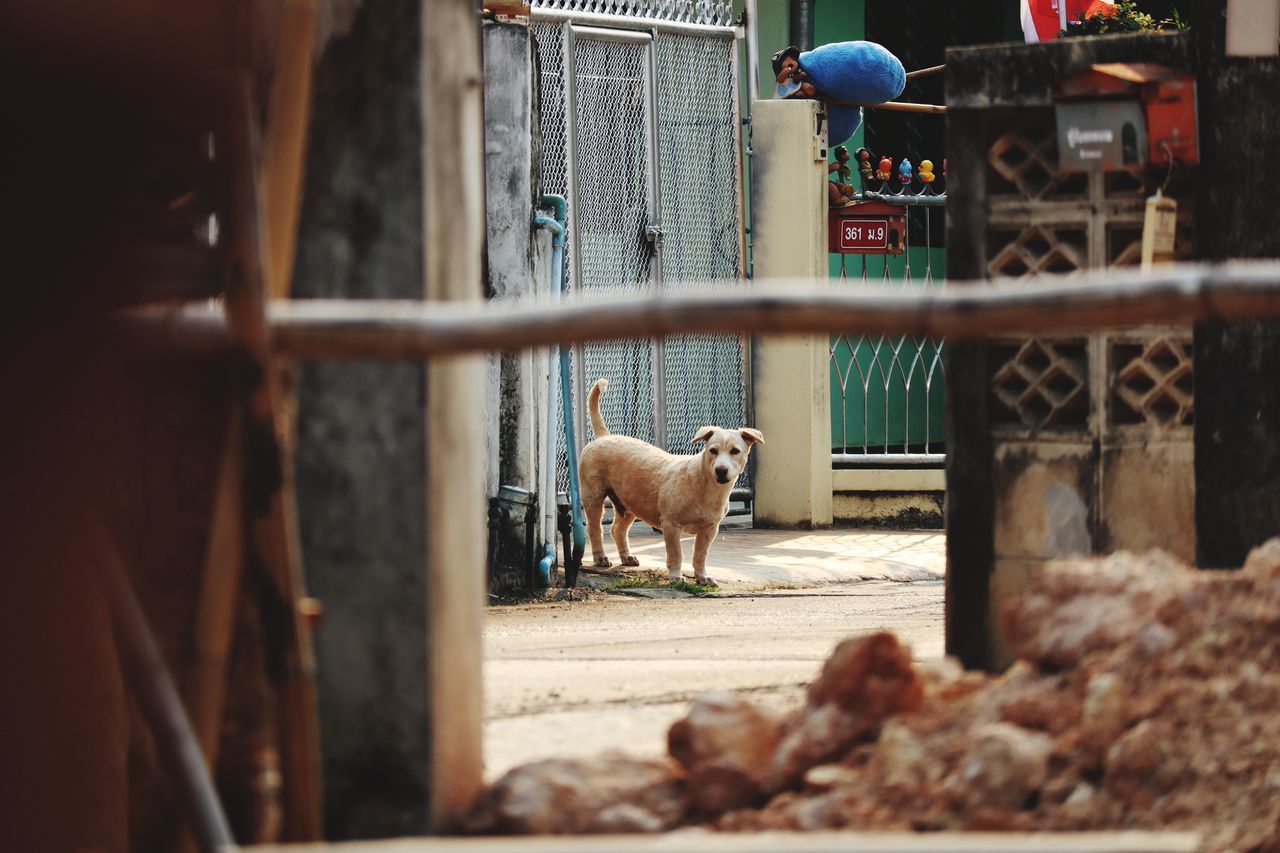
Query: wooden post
[(286, 137), (269, 502), (219, 593), (453, 163)]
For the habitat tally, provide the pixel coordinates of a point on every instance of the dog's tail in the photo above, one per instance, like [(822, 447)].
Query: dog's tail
[(593, 405)]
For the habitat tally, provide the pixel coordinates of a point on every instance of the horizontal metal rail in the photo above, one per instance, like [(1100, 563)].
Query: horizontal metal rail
[(907, 199), (881, 460), (597, 19), (416, 331)]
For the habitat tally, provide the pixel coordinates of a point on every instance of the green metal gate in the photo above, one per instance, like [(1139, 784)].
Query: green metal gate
[(888, 393)]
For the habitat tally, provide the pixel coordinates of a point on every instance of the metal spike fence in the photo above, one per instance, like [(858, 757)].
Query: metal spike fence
[(888, 392)]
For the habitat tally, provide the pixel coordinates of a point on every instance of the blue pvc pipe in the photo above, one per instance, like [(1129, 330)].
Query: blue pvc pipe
[(544, 565), (570, 442), (561, 208)]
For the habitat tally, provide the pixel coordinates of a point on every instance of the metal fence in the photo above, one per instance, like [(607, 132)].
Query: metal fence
[(887, 392), (704, 12), (640, 132)]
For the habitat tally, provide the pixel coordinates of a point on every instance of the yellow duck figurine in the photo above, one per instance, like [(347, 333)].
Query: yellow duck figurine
[(926, 175)]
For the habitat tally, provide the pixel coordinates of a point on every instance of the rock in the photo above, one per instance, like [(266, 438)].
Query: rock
[(625, 817), (723, 728), (870, 675), (1003, 766), (1077, 607), (609, 793), (826, 777), (726, 744), (864, 682), (813, 736), (938, 674), (902, 761), (714, 789), (1133, 759), (1081, 794), (1265, 559), (821, 812), (1155, 640), (1104, 714)]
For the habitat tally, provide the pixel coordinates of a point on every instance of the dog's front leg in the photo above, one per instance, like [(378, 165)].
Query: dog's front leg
[(701, 545), (671, 535)]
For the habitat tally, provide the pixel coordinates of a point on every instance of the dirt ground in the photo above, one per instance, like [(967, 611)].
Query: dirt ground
[(1142, 698), (614, 670)]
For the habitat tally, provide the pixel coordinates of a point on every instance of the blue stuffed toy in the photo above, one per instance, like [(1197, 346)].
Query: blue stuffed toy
[(844, 74)]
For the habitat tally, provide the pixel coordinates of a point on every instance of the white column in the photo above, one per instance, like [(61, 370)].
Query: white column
[(789, 241)]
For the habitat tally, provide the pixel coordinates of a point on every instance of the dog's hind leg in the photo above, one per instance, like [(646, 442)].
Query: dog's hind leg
[(701, 545), (622, 524), (671, 536), (593, 507), (622, 520)]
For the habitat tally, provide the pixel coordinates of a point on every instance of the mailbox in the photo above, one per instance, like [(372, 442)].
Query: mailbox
[(1123, 116), (867, 228)]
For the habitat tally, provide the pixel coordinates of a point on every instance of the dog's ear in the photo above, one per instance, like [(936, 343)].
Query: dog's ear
[(703, 434), (752, 436)]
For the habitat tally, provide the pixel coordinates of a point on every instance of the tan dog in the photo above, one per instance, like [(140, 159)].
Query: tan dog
[(676, 494)]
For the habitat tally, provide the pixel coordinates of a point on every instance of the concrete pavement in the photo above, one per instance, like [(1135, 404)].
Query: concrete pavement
[(578, 677)]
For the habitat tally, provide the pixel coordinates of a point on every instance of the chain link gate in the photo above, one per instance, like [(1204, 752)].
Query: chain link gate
[(640, 132)]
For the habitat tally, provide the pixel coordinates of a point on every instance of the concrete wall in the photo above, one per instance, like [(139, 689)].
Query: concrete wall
[(361, 428), (510, 184), (902, 498), (1055, 448), (518, 261), (1198, 480)]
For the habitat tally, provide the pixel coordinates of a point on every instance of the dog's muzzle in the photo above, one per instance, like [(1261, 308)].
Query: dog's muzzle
[(722, 475)]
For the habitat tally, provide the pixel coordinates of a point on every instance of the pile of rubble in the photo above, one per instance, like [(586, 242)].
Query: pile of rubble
[(1146, 696)]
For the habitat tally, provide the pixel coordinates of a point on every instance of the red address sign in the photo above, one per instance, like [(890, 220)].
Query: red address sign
[(864, 234)]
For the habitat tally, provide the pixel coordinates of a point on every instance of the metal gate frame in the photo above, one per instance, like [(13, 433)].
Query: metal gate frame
[(572, 32), (647, 24)]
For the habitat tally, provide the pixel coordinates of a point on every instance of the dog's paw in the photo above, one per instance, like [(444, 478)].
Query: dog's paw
[(602, 562), (630, 560), (674, 576), (706, 581)]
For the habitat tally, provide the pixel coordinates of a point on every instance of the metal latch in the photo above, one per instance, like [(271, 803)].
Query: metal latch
[(654, 236)]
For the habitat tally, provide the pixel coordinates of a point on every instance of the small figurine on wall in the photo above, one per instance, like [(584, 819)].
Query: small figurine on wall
[(864, 164), (884, 168), (845, 75), (904, 173), (840, 191)]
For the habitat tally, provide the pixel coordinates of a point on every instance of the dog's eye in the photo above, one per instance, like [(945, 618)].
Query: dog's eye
[(735, 451), (714, 450)]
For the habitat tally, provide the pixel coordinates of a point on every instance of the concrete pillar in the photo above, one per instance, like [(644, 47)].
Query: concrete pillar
[(512, 383), (789, 241), (361, 451)]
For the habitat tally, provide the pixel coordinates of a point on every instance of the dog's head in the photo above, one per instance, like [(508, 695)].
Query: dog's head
[(726, 450)]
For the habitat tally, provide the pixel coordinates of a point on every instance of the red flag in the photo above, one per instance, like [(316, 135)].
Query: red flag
[(1041, 21)]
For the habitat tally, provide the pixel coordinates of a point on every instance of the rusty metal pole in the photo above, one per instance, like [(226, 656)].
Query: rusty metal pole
[(800, 23), (158, 700)]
